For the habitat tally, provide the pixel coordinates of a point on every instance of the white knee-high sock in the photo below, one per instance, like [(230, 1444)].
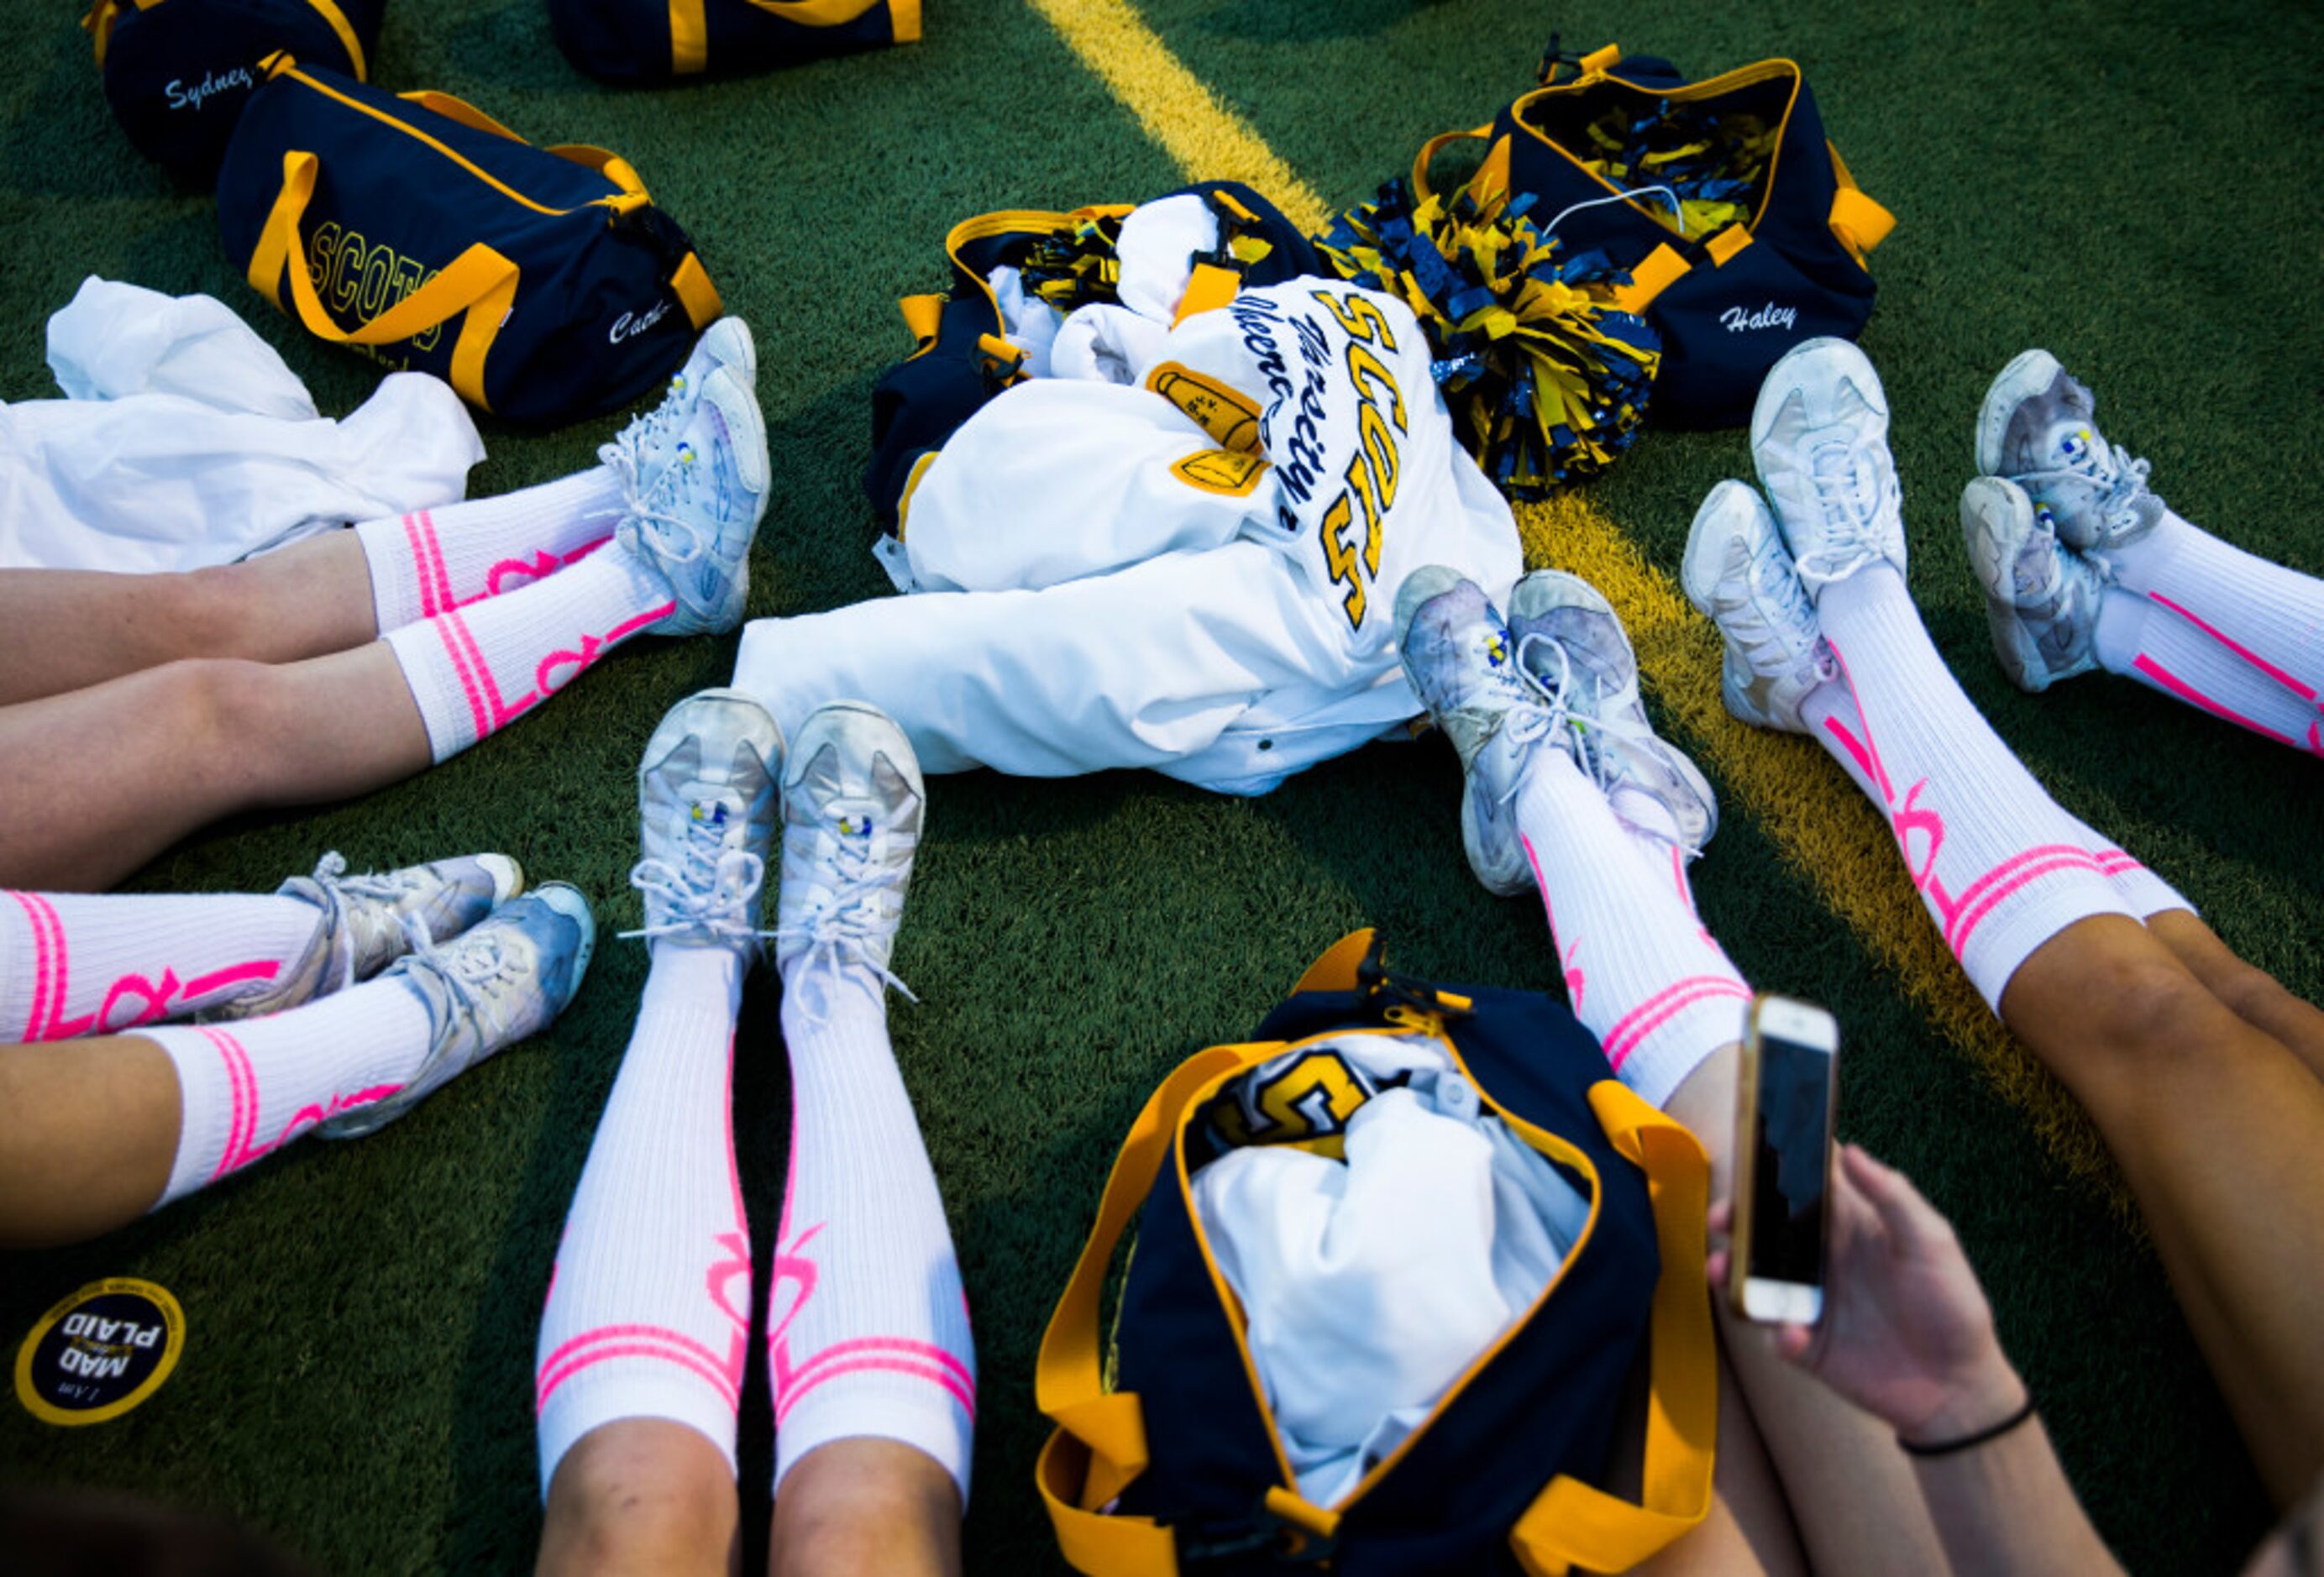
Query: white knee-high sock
[(474, 670), (867, 1323), (2218, 629), (1644, 976), (434, 561), (72, 964), (2000, 868), (247, 1089), (1831, 717), (649, 1311)]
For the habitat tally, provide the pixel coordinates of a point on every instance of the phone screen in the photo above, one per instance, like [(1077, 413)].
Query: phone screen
[(1790, 1171)]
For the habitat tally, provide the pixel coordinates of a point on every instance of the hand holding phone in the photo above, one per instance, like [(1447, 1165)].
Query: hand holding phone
[(1785, 1097), (1906, 1333)]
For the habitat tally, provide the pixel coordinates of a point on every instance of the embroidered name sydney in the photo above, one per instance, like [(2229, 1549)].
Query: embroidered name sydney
[(1738, 319), (184, 98)]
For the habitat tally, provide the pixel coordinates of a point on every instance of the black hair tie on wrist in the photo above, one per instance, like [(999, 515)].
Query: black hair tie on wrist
[(1966, 1442)]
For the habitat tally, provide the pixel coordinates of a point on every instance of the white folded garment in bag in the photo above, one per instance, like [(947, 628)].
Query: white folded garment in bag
[(1370, 1285), (184, 441)]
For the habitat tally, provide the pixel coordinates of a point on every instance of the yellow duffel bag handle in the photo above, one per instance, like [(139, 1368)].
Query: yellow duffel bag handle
[(1573, 1524), (480, 283), (1099, 1446)]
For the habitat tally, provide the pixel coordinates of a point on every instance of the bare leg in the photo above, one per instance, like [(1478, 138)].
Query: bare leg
[(1750, 1527), (95, 783), (1852, 1489), (91, 1129), (866, 1505), (2252, 993), (642, 1496), (2216, 1126), (69, 628)]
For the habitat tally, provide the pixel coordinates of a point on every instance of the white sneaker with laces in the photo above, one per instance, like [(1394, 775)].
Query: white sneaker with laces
[(2041, 599), (694, 522), (854, 801), (2039, 428), (706, 821), (1738, 572), (502, 980), (1571, 643), (1463, 665), (1819, 439), (641, 451), (369, 921)]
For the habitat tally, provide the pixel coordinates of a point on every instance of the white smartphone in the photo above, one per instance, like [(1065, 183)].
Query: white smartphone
[(1783, 1161)]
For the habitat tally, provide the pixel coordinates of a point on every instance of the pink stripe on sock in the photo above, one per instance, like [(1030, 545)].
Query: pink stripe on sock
[(2304, 691), (202, 985), (502, 713), (1660, 1008), (245, 1086), (612, 1332), (926, 1352), (428, 608), (26, 901), (1969, 915), (442, 625), (446, 601), (2195, 698), (943, 1378), (1976, 889), (549, 1383)]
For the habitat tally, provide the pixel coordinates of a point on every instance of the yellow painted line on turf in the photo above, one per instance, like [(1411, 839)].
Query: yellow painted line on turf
[(1827, 832), (1209, 141)]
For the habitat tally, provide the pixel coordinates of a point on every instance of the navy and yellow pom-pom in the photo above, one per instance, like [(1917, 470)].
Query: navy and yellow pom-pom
[(1546, 378), (1075, 267)]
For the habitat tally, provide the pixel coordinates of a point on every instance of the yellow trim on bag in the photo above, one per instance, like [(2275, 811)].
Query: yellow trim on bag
[(1723, 246), (689, 38), (911, 486), (1650, 276), (1859, 222), (418, 135), (924, 317), (1573, 1524), (338, 18), (904, 21), (480, 284), (695, 293)]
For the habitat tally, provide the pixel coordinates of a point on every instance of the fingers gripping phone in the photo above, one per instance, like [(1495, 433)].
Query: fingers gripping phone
[(1783, 1161)]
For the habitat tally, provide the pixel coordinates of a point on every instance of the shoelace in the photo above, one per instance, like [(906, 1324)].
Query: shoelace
[(846, 923), (625, 455), (467, 968), (1591, 732), (1832, 472), (676, 538), (1794, 610), (709, 890), (2125, 482)]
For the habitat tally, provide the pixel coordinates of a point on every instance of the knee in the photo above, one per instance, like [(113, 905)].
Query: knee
[(222, 712), (2149, 1019), (635, 1497), (216, 611)]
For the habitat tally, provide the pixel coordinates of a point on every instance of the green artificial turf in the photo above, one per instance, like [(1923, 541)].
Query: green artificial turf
[(2130, 184)]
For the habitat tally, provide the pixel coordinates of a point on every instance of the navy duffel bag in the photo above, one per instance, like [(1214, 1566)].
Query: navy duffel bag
[(178, 73), (541, 283), (656, 41)]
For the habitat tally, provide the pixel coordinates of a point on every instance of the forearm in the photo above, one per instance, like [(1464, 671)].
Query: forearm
[(2003, 1508)]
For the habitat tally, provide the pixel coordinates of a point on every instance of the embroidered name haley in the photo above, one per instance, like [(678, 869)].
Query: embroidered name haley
[(184, 98), (1768, 316)]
